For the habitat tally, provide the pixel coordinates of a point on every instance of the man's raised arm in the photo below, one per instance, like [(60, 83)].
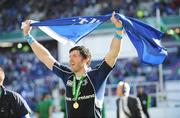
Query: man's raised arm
[(41, 52), (115, 43)]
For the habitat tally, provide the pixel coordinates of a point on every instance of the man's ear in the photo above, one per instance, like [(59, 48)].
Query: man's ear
[(88, 61)]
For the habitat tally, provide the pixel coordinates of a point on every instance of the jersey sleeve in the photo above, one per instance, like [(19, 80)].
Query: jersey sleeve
[(21, 106), (103, 71), (61, 71), (99, 76)]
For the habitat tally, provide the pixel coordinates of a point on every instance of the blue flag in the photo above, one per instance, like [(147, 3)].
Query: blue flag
[(71, 29), (146, 39)]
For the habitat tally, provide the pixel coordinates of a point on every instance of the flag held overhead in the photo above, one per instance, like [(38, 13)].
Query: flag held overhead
[(146, 39), (71, 29)]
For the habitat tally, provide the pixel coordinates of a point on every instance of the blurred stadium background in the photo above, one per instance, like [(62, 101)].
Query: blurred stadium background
[(29, 77)]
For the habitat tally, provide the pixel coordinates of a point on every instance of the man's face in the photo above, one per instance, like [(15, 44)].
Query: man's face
[(119, 91), (76, 61), (141, 90), (1, 77)]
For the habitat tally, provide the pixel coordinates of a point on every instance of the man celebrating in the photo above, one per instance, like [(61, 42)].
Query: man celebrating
[(12, 105), (84, 88)]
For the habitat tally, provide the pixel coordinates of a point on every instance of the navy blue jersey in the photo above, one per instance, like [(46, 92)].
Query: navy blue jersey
[(91, 93)]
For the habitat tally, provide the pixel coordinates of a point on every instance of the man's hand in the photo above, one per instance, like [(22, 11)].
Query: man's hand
[(116, 22), (26, 27)]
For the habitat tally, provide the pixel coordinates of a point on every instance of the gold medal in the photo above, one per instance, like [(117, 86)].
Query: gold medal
[(76, 105)]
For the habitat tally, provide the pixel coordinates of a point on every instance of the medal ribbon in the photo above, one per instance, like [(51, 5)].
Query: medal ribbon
[(77, 90)]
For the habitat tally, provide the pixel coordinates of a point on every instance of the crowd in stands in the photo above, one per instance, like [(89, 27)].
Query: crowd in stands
[(13, 12)]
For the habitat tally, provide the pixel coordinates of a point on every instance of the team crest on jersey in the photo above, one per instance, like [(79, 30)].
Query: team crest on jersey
[(69, 83), (85, 82)]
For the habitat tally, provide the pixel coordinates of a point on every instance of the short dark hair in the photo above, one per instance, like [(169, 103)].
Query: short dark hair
[(84, 52), (44, 95)]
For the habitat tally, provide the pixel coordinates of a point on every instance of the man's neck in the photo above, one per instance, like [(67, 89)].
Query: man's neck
[(81, 72)]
